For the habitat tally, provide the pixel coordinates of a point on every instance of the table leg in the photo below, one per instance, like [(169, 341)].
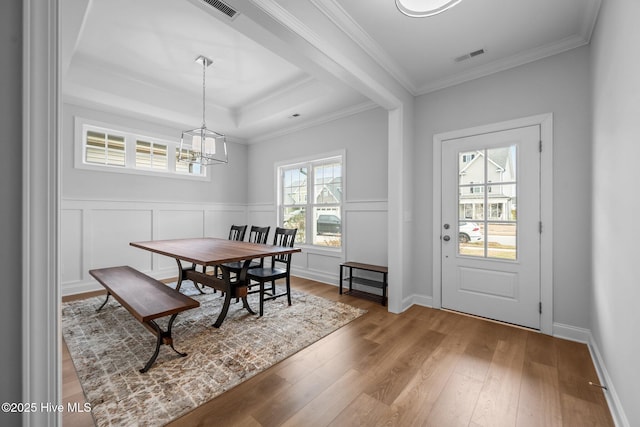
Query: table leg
[(227, 297), (182, 274), (340, 283), (243, 280)]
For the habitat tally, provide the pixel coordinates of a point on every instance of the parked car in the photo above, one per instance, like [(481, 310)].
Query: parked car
[(328, 224), (469, 232)]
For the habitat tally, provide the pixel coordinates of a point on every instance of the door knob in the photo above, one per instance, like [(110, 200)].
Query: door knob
[(446, 226), (446, 238)]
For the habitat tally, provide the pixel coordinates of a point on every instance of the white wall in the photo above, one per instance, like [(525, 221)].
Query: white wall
[(558, 85), (364, 138), (615, 317), (101, 212)]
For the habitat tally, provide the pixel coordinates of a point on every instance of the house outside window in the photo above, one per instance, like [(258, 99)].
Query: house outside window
[(310, 198)]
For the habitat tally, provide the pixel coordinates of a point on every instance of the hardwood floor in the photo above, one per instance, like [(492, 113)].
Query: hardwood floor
[(422, 367)]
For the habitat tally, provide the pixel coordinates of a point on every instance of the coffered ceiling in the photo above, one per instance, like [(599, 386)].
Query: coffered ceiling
[(137, 57)]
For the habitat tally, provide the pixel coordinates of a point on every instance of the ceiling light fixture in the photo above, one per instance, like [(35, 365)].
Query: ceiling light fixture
[(203, 146), (423, 8)]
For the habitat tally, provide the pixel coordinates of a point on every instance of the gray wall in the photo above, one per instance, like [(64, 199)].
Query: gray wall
[(11, 210), (363, 137), (615, 318), (558, 85)]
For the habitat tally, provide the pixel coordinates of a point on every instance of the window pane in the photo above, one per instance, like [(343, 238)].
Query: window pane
[(116, 151), (151, 155), (470, 238), (95, 147), (159, 157), (471, 168), (328, 227), (295, 217), (501, 240), (327, 186), (143, 154), (295, 186), (501, 164), (105, 149)]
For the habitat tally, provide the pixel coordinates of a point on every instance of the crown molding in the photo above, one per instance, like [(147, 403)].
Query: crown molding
[(512, 61), (353, 30)]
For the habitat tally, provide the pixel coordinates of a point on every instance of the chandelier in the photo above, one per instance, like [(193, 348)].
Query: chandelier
[(422, 8), (203, 146)]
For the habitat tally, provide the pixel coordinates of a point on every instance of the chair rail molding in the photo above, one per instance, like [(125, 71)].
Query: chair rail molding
[(41, 342)]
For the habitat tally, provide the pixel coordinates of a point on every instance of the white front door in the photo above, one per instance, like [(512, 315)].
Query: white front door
[(491, 225)]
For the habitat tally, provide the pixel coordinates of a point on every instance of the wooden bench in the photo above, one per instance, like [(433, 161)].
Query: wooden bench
[(146, 299)]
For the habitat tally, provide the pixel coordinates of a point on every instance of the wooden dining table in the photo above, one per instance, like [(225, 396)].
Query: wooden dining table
[(210, 251)]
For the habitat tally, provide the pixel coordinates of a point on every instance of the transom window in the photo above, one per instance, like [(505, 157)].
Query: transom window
[(310, 199), (128, 151)]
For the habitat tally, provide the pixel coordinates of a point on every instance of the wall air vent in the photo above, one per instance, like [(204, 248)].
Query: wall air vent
[(222, 7), (469, 55)]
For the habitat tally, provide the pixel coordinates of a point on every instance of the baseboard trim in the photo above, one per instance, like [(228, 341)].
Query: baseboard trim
[(315, 275), (584, 336), (615, 406), (571, 333)]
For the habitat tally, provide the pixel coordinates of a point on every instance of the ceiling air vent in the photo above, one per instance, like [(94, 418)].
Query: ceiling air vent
[(469, 55), (222, 7)]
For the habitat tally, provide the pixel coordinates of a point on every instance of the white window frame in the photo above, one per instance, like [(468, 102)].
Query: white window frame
[(82, 125), (310, 161)]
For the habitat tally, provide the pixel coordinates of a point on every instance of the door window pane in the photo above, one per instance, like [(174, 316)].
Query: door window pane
[(501, 240), (470, 238), (471, 167), (487, 195)]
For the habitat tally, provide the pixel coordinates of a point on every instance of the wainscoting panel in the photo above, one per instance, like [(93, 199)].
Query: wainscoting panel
[(176, 224), (109, 234), (366, 240), (262, 216), (97, 234), (327, 264), (71, 239)]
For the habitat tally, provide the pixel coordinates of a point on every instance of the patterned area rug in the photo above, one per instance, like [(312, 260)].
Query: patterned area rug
[(109, 347)]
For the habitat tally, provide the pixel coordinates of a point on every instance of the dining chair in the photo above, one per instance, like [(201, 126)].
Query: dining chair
[(256, 235), (280, 269), (236, 232)]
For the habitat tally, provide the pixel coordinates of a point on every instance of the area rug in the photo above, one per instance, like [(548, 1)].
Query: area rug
[(109, 347)]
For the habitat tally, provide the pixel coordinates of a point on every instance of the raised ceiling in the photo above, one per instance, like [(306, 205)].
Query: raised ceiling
[(137, 57)]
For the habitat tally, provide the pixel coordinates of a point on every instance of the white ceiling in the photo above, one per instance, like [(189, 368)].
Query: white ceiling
[(137, 57)]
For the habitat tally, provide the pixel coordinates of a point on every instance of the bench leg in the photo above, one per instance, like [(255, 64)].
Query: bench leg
[(105, 301), (163, 337)]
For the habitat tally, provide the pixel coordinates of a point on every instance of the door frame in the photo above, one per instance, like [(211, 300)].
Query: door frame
[(545, 121)]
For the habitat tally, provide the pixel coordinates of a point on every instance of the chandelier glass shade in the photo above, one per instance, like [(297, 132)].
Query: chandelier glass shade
[(423, 8), (203, 146)]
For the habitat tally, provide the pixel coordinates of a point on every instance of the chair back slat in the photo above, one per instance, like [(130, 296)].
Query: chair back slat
[(237, 232), (259, 234), (284, 237)]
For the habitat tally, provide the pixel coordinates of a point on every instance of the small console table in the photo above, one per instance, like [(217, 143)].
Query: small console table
[(380, 284)]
